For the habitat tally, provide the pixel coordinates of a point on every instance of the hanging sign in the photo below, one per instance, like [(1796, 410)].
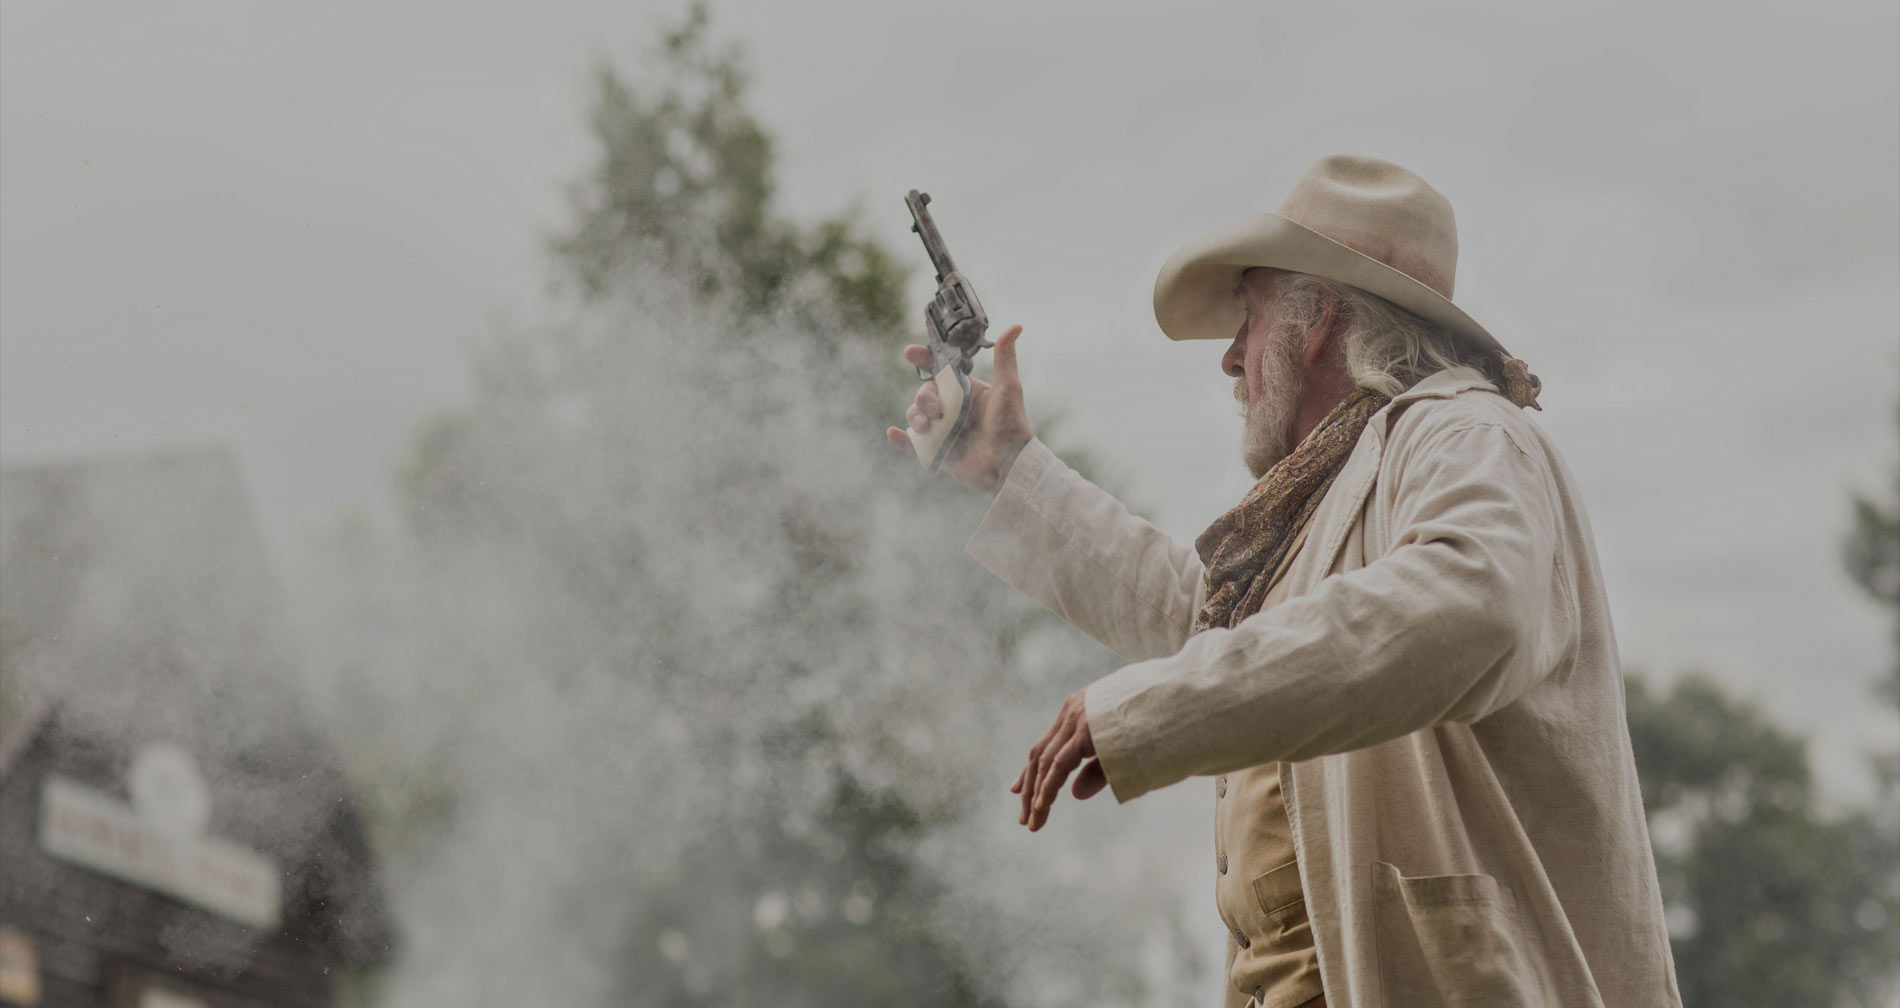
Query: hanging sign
[(158, 840)]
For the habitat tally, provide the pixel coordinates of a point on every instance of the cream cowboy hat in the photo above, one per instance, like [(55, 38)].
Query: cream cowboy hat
[(1355, 220)]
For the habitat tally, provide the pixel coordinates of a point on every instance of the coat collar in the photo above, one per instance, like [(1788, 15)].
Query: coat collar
[(1444, 385)]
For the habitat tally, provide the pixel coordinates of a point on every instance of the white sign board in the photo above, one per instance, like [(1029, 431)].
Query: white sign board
[(91, 828)]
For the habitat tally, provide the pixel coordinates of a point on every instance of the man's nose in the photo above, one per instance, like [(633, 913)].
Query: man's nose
[(1230, 362)]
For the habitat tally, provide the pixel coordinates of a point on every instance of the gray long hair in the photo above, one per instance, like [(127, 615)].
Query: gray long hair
[(1386, 348)]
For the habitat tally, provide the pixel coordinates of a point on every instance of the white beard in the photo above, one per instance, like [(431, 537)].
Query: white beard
[(1267, 430)]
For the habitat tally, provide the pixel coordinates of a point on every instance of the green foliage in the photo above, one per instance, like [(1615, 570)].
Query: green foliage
[(1771, 900), (685, 179), (1873, 560)]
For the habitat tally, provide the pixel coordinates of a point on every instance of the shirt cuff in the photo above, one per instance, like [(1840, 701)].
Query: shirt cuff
[(1117, 736), (1002, 539)]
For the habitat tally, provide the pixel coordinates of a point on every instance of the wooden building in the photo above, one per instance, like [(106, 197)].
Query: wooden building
[(172, 833)]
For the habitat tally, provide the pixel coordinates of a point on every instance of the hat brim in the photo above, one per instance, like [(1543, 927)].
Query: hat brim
[(1194, 292)]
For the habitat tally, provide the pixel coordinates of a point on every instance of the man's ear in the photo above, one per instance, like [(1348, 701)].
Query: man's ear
[(1324, 328)]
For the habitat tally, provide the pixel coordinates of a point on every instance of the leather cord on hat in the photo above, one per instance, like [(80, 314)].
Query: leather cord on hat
[(1514, 380)]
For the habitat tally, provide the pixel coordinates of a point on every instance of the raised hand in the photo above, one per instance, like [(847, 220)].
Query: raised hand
[(996, 430)]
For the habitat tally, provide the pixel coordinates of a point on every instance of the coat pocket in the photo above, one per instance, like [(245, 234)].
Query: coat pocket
[(1448, 940), (1279, 890)]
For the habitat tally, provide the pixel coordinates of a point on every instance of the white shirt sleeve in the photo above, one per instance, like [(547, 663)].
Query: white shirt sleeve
[(1071, 546)]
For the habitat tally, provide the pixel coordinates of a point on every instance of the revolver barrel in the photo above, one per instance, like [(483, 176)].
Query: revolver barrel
[(927, 229)]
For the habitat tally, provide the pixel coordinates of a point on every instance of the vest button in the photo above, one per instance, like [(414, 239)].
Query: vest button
[(1221, 863), (1220, 787), (1260, 994), (1241, 937)]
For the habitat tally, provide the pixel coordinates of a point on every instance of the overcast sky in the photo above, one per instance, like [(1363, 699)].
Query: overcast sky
[(277, 226)]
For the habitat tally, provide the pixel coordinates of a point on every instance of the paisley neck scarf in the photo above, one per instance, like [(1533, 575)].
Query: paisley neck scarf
[(1244, 547)]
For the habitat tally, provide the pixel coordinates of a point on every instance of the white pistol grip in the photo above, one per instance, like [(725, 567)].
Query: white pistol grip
[(953, 391)]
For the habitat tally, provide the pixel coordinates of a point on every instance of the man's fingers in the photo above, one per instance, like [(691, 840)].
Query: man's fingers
[(918, 356), (1026, 786), (1043, 744), (929, 401), (1060, 766), (1053, 757), (919, 420), (897, 438), (1033, 773), (1090, 781), (1005, 360)]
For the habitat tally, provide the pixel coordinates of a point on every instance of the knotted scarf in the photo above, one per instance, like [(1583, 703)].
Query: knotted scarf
[(1244, 547)]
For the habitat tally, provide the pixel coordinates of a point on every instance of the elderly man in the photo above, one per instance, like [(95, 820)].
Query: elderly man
[(1393, 656)]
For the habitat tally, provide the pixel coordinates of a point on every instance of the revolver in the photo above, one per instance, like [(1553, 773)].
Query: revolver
[(956, 324)]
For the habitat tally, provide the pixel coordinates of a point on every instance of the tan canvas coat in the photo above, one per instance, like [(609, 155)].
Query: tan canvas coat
[(1442, 681)]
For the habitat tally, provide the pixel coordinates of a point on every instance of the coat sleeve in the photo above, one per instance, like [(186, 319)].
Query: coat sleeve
[(1460, 617), (1071, 546)]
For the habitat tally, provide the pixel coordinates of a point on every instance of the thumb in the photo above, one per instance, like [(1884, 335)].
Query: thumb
[(1090, 781), (1005, 370)]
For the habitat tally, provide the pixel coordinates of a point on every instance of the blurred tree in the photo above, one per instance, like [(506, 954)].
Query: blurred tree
[(683, 187), (1873, 559), (1772, 900), (682, 492), (685, 178)]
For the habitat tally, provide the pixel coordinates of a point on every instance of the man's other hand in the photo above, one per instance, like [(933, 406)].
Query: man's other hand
[(1056, 755), (996, 429)]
